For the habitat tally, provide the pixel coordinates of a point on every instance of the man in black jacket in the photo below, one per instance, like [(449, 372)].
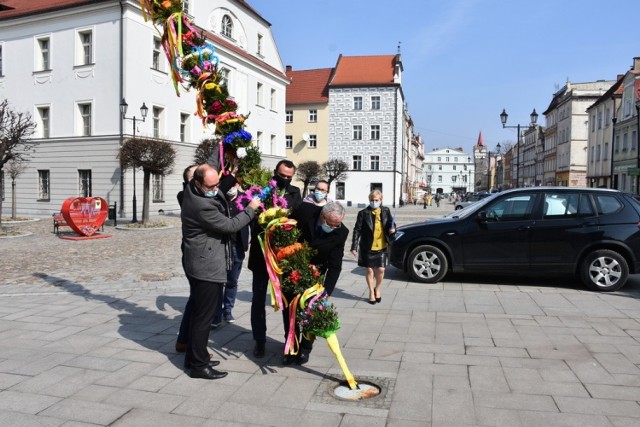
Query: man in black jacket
[(282, 174), (322, 229)]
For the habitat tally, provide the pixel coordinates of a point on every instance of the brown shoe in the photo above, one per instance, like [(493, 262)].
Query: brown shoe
[(181, 347)]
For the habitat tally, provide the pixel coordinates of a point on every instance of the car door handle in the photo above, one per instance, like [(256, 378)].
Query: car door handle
[(524, 228)]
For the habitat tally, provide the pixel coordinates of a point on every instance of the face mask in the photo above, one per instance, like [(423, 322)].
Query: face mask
[(326, 228), (233, 192), (374, 205), (281, 182), (319, 195)]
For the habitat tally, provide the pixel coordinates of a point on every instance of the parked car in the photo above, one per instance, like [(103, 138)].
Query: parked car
[(471, 198), (589, 233)]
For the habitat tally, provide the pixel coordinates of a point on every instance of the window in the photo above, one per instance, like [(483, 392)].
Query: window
[(157, 113), (259, 94), (634, 140), (313, 141), (439, 179), (85, 48), (375, 163), (593, 123), (260, 44), (1, 60), (157, 187), (357, 163), (357, 131), (227, 26), (625, 142), (313, 116), (514, 208), (274, 101), (607, 204), (566, 205), (357, 103), (288, 141), (43, 54), (599, 119), (84, 182), (184, 127), (375, 131), (155, 59), (339, 190), (375, 102), (85, 119), (43, 122), (289, 116), (43, 185), (259, 139), (185, 6), (273, 144)]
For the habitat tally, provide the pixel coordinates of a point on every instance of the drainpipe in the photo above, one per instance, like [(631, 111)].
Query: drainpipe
[(121, 77), (395, 145)]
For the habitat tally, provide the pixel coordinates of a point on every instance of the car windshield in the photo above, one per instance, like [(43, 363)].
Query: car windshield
[(470, 209)]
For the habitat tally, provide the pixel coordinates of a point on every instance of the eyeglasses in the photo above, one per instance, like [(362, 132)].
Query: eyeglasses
[(212, 188), (334, 225), (322, 190)]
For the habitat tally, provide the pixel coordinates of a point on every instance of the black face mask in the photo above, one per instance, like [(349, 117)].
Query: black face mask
[(282, 182)]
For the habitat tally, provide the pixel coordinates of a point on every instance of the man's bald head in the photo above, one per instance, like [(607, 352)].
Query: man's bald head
[(206, 178)]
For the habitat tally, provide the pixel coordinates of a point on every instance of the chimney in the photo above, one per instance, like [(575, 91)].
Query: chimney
[(288, 68)]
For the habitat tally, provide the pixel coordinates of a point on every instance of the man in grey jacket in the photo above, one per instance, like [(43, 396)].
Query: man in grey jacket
[(205, 235)]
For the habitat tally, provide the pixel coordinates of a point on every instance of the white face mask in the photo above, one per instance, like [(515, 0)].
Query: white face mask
[(233, 192), (374, 205)]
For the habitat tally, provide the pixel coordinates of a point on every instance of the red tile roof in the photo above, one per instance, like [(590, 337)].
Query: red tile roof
[(308, 86), (14, 8), (364, 70)]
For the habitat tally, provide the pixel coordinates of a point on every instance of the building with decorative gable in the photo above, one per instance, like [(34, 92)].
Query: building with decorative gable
[(70, 63), (367, 127)]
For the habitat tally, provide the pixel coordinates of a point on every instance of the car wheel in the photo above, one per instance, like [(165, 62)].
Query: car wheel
[(458, 207), (427, 264), (604, 270)]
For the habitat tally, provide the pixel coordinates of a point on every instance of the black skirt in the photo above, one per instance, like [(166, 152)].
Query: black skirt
[(376, 259)]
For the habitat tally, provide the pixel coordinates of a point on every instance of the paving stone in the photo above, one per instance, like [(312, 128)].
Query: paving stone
[(28, 403), (85, 411), (584, 405)]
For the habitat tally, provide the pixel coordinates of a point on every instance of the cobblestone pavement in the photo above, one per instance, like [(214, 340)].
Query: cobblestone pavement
[(87, 333)]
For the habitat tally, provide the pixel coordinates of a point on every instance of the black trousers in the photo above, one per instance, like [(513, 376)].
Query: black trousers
[(259, 286), (204, 299)]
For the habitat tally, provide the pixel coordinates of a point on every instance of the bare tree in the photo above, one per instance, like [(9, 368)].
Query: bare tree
[(335, 170), (153, 156), (15, 128), (207, 152), (309, 171), (15, 169)]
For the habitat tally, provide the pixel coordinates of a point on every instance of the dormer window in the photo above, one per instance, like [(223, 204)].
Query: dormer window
[(227, 26)]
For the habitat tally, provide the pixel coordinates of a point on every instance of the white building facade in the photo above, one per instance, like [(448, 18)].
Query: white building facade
[(71, 64), (449, 170)]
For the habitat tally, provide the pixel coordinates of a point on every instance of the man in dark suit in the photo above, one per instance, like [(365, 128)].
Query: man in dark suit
[(282, 174), (205, 236), (322, 229)]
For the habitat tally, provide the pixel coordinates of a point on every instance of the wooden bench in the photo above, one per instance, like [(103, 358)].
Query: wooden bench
[(58, 221)]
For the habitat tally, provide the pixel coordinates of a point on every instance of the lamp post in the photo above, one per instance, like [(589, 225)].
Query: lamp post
[(637, 146), (143, 112), (614, 119), (503, 119)]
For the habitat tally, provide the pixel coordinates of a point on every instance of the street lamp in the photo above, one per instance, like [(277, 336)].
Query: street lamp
[(143, 111), (637, 146), (503, 119)]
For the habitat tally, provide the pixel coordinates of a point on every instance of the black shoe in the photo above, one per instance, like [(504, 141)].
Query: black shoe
[(372, 302), (258, 350), (212, 363), (288, 359), (303, 357), (379, 299), (207, 373)]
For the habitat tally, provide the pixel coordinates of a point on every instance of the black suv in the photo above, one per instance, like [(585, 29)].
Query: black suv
[(590, 233)]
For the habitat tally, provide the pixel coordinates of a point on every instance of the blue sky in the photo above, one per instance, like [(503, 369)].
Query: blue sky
[(465, 60)]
